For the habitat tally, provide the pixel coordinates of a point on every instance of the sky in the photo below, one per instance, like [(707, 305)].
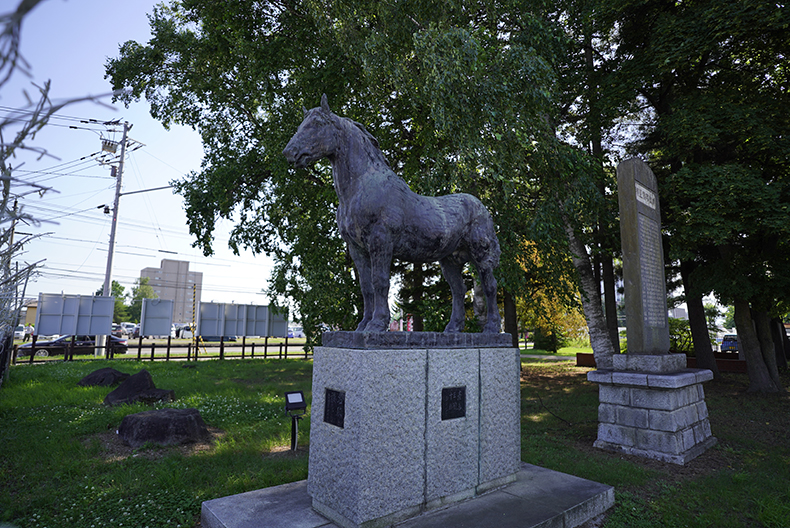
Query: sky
[(68, 43)]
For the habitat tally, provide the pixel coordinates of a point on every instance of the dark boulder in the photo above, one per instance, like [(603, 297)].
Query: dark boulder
[(105, 377), (164, 427), (138, 387)]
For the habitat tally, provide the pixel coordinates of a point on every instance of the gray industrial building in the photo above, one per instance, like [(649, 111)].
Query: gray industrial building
[(173, 281)]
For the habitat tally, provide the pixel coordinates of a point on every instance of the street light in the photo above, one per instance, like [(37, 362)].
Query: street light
[(294, 403)]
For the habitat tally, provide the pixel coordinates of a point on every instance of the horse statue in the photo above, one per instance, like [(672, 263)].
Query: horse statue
[(381, 218)]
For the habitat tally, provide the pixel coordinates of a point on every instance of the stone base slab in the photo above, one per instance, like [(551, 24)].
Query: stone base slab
[(397, 452), (649, 363), (681, 459), (393, 340), (538, 498), (658, 416)]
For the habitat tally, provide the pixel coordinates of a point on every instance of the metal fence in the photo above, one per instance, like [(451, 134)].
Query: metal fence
[(7, 352), (195, 350)]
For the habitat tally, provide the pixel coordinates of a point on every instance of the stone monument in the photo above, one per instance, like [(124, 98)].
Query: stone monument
[(651, 405)]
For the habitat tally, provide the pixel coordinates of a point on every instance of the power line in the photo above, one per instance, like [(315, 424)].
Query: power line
[(62, 117)]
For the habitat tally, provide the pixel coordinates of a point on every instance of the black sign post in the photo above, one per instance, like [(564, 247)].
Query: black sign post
[(294, 402)]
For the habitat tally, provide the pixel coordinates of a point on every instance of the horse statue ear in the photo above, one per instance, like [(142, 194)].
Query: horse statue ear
[(325, 104), (304, 110)]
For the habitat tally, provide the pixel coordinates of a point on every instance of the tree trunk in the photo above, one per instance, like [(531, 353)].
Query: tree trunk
[(610, 302), (511, 319), (779, 337), (759, 377), (698, 323), (763, 327), (604, 273), (591, 301), (785, 339)]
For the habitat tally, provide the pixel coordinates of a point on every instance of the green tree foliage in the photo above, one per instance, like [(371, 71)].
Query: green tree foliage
[(120, 308), (713, 78), (238, 73), (680, 336), (514, 102), (729, 317), (457, 97), (141, 290)]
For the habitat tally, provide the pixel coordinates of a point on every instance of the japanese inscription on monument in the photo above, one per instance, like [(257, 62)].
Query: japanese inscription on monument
[(453, 402)]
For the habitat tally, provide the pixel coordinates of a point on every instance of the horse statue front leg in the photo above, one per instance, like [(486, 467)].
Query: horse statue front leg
[(362, 262), (380, 250), (452, 271)]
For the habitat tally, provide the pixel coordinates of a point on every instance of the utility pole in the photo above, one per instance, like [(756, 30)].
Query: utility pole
[(108, 274)]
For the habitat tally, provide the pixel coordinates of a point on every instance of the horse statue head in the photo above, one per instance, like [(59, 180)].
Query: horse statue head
[(316, 138)]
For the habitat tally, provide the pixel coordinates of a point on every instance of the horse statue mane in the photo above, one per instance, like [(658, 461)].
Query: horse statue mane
[(381, 218), (370, 143)]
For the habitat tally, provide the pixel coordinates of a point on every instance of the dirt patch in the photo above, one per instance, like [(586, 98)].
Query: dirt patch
[(707, 463), (284, 451), (553, 372), (114, 450)]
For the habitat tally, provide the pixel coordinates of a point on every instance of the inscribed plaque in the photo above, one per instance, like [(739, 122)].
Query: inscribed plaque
[(335, 407), (453, 403)]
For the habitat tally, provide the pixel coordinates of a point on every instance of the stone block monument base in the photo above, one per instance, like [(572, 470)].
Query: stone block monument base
[(398, 431), (538, 498), (650, 406)]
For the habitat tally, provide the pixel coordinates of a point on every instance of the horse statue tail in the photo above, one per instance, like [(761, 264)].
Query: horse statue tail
[(483, 242)]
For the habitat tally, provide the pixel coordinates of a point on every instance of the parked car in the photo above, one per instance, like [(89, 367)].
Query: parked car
[(729, 343), (136, 331), (128, 328), (295, 331), (117, 330), (82, 345), (184, 331), (19, 332)]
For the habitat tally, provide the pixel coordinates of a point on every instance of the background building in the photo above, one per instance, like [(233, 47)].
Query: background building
[(173, 281)]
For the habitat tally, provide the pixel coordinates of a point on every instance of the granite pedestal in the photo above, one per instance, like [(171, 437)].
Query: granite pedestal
[(398, 431), (653, 407), (538, 498)]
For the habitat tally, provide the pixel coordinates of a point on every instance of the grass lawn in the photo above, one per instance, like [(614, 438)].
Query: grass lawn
[(63, 466), (743, 481), (570, 351)]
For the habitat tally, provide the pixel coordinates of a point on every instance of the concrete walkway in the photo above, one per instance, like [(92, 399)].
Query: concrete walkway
[(539, 498)]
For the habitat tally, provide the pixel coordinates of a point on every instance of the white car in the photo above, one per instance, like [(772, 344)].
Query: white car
[(19, 332)]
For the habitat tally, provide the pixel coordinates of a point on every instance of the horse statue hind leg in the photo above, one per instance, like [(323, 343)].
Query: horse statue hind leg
[(452, 268), (484, 253)]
